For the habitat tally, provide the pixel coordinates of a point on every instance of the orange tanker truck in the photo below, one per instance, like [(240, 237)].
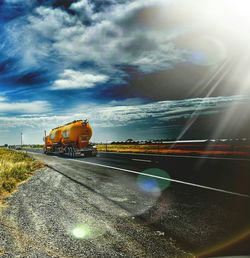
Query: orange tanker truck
[(72, 139)]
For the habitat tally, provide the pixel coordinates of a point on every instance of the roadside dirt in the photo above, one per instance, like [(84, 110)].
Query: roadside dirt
[(52, 216)]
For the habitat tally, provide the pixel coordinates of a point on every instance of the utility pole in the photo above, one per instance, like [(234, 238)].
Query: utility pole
[(45, 142), (21, 140)]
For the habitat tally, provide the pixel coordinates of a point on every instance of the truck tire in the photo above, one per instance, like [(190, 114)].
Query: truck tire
[(68, 152), (87, 154), (73, 153), (46, 152)]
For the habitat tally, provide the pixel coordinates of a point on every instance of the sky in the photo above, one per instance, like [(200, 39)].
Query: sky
[(155, 69)]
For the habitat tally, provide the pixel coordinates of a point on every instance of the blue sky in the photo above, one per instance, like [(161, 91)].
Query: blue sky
[(136, 69)]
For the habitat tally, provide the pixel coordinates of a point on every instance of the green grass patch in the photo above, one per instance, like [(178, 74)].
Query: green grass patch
[(15, 167)]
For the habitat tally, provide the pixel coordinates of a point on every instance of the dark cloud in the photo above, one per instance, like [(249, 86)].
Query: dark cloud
[(30, 78), (62, 3), (100, 6), (4, 67), (10, 77), (182, 81), (216, 124), (175, 83), (206, 126), (139, 45), (144, 17)]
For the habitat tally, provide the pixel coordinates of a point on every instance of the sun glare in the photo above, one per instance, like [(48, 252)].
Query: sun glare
[(234, 15)]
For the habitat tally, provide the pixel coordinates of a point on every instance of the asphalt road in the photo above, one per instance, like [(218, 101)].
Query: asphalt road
[(228, 174), (124, 205), (222, 173)]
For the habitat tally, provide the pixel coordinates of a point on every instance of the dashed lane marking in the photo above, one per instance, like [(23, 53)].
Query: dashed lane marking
[(143, 160)]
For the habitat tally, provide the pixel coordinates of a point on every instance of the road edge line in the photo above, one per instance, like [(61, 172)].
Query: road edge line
[(163, 178)]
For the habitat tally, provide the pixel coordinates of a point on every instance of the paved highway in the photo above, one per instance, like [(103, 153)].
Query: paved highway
[(220, 173), (135, 205), (229, 175)]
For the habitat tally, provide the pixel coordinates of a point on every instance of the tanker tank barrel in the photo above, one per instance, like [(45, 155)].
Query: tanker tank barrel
[(72, 137)]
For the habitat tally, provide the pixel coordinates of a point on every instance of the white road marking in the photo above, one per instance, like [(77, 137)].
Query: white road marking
[(162, 178), (175, 156), (143, 160), (36, 153)]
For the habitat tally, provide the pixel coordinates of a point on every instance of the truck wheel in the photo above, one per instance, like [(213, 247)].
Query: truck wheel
[(68, 152), (73, 153)]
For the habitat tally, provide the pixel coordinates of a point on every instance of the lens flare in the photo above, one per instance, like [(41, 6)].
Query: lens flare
[(225, 244), (153, 181), (88, 229), (81, 232), (206, 51), (149, 185)]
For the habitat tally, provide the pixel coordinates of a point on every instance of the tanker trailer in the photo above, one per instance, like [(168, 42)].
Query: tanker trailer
[(72, 139)]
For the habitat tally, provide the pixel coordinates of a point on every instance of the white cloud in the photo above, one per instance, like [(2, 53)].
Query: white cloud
[(2, 98), (110, 41), (109, 115), (114, 37), (24, 107), (84, 8), (106, 119), (157, 112), (29, 38), (71, 79)]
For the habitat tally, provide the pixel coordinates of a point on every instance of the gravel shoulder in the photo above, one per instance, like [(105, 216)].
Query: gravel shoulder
[(44, 218)]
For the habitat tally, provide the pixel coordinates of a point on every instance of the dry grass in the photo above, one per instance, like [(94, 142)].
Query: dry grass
[(145, 148), (15, 167), (195, 149)]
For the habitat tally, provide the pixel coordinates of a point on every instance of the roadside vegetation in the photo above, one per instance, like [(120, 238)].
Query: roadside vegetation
[(179, 149), (15, 167)]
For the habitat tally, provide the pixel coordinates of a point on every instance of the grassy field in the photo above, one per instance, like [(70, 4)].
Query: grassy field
[(15, 167)]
